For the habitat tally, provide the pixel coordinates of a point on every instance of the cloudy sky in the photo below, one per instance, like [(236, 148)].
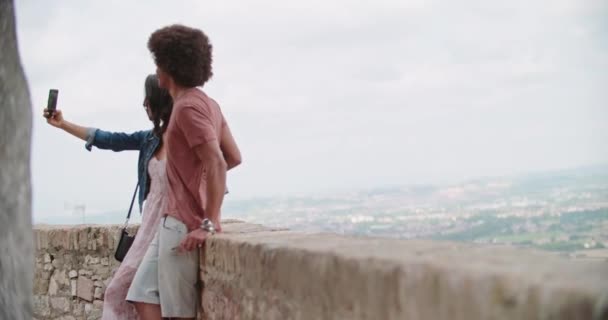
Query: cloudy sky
[(329, 95)]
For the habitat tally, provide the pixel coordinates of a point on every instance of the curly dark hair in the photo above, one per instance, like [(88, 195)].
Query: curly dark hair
[(160, 104), (184, 53)]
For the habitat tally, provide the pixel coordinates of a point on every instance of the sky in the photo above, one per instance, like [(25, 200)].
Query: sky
[(328, 95)]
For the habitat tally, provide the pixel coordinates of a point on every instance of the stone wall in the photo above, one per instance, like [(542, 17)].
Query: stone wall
[(73, 266), (254, 272)]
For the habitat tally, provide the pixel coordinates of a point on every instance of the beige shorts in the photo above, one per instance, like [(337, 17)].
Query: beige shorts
[(167, 277)]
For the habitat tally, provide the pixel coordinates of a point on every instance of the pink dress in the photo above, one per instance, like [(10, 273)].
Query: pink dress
[(115, 306)]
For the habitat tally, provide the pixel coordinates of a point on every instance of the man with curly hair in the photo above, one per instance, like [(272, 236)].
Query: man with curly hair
[(200, 149)]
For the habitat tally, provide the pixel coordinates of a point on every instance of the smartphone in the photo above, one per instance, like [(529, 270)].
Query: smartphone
[(52, 104)]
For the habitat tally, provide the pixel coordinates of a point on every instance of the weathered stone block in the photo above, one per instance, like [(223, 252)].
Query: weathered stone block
[(98, 293), (41, 306), (85, 289), (53, 287), (62, 278), (74, 287), (60, 304), (41, 286), (58, 280), (78, 309), (88, 308), (96, 310), (46, 275), (56, 263), (101, 270), (85, 273)]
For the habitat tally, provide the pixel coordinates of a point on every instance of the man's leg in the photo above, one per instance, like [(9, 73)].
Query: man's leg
[(178, 272), (148, 311)]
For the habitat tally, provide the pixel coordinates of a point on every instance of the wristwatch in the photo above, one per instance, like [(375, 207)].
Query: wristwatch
[(207, 225)]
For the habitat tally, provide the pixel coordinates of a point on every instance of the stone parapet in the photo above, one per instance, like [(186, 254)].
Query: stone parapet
[(254, 272)]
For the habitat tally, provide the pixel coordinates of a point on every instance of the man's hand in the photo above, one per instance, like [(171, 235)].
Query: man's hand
[(192, 240)]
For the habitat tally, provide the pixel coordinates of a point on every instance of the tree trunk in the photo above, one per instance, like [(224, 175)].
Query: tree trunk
[(16, 235)]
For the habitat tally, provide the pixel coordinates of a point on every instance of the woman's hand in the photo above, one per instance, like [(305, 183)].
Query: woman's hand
[(56, 120)]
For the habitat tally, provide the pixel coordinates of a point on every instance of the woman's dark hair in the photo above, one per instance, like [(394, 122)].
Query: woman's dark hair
[(160, 104), (184, 53)]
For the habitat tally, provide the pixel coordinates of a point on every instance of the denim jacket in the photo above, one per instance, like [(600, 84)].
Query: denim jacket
[(144, 141)]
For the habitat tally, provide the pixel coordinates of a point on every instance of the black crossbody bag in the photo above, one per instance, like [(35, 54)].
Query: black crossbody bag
[(126, 240)]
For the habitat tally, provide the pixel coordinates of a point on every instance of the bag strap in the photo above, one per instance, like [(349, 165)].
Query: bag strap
[(131, 206)]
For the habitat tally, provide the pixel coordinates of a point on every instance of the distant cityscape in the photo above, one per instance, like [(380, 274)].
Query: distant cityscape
[(564, 211)]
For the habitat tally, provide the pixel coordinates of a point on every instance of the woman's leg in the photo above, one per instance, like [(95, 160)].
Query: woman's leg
[(114, 304), (144, 288)]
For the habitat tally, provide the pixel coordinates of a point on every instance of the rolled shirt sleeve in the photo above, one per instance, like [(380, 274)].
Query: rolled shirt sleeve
[(197, 125), (90, 139)]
